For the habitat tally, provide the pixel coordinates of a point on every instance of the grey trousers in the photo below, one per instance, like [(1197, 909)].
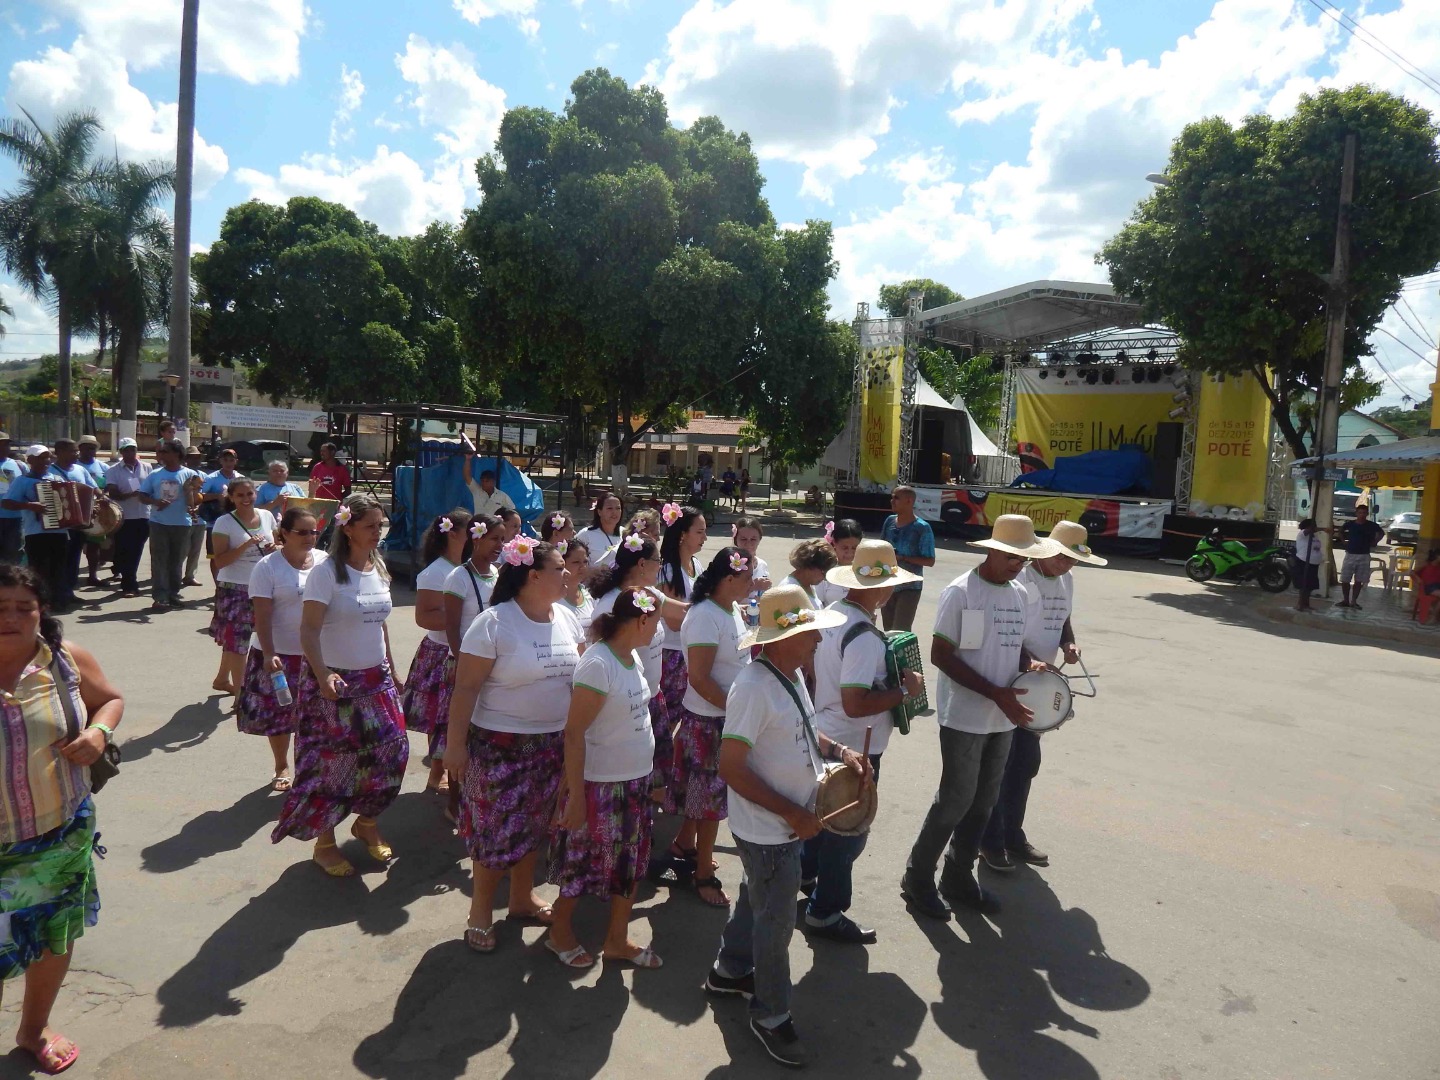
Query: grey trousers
[(168, 546), (195, 550), (971, 768), (757, 937)]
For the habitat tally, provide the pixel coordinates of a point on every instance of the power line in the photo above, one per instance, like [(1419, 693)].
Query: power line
[(1354, 29), (1396, 382), (1418, 333), (1405, 344)]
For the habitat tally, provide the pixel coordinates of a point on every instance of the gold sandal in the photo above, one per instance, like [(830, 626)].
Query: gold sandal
[(378, 849), (340, 869)]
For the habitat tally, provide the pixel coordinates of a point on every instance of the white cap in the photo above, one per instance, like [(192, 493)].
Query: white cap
[(129, 444), (36, 449)]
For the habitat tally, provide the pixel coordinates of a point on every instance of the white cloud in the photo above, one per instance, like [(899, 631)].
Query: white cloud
[(352, 94), (31, 331), (450, 94), (87, 77), (257, 41), (391, 189), (473, 11)]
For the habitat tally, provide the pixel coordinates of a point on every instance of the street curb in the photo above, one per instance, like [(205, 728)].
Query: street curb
[(1283, 612)]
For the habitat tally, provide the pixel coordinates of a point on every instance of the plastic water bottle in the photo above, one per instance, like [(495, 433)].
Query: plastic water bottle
[(753, 611), (281, 686)]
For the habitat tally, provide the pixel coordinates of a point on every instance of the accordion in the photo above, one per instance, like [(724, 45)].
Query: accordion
[(902, 653), (68, 505)]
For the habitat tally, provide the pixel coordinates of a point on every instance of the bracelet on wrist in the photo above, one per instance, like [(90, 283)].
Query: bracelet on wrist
[(107, 731)]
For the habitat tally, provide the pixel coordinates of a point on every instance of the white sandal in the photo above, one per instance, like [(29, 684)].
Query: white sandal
[(646, 959), (572, 958)]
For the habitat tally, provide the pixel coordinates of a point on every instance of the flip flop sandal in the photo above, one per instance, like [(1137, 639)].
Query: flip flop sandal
[(280, 782), (541, 916), (646, 959), (52, 1061), (576, 958), (480, 938), (711, 883)]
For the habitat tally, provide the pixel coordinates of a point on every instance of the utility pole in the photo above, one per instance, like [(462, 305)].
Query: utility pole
[(1328, 427), (179, 352)]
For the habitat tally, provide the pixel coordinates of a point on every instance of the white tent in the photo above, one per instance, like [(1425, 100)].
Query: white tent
[(839, 455)]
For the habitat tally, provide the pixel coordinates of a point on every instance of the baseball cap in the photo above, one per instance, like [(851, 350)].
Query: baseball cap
[(4, 436), (36, 449), (129, 444), (88, 440)]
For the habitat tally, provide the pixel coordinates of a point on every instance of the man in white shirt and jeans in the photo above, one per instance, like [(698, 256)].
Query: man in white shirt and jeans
[(772, 758), (979, 648)]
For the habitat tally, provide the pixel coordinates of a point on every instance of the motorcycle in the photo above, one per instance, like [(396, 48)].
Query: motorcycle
[(1216, 558)]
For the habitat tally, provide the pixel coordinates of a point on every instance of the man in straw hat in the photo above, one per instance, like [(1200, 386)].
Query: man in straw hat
[(1050, 596), (979, 648), (851, 695), (772, 758)]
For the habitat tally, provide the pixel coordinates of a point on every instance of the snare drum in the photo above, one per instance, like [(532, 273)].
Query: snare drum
[(1048, 696), (839, 787)]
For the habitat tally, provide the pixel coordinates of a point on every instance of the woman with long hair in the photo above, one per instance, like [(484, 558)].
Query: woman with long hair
[(59, 714), (577, 597), (844, 535), (426, 702), (711, 636), (602, 844), (506, 733), (679, 567), (603, 533), (277, 588), (637, 566), (241, 539), (351, 748)]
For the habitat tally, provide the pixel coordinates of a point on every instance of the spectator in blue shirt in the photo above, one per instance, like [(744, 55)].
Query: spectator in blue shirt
[(168, 491), (270, 495), (12, 540), (914, 546), (47, 550), (67, 466)]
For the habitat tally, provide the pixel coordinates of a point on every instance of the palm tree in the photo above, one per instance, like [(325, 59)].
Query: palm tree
[(5, 309), (41, 219)]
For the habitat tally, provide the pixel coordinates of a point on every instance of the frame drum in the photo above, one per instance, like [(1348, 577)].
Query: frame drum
[(1048, 696), (839, 787)]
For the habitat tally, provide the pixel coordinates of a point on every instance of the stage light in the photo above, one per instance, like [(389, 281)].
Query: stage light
[(1182, 395), (1108, 377), (1121, 357), (1180, 411), (1152, 356), (1153, 375), (1137, 374), (1044, 373), (1092, 378)]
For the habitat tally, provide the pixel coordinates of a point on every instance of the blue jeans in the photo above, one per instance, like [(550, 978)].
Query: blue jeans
[(12, 541), (1007, 820), (757, 937), (970, 770), (828, 859)]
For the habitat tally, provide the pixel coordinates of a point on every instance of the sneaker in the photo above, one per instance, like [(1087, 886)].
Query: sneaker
[(960, 887), (744, 986), (781, 1042), (1027, 853), (924, 900), (998, 860), (843, 929)]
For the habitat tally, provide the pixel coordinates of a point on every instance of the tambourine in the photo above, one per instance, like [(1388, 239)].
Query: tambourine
[(1049, 695)]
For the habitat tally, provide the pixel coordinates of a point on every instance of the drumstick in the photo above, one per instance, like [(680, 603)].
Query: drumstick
[(836, 813), (869, 730)]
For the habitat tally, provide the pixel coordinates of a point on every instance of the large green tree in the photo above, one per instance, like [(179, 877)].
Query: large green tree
[(1234, 252), (895, 299), (628, 264)]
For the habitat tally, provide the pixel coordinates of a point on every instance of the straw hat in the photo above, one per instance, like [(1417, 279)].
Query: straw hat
[(786, 610), (1014, 534), (874, 567), (1074, 539)]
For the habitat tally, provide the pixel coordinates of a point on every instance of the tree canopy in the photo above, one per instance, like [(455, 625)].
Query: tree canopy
[(895, 298), (623, 260), (1234, 252)]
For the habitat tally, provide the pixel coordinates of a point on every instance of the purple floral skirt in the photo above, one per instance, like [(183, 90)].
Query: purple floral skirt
[(507, 801), (428, 687), (696, 792), (674, 677), (233, 621), (664, 727), (350, 755), (257, 712), (612, 852)]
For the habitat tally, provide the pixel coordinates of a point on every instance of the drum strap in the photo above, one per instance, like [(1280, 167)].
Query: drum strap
[(805, 720)]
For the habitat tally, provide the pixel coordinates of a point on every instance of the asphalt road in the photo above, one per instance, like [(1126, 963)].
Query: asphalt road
[(1244, 828)]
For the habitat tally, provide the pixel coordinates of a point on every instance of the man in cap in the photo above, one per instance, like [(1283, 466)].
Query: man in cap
[(771, 757), (66, 467), (12, 539), (122, 483), (979, 648), (852, 694), (1050, 599), (46, 550)]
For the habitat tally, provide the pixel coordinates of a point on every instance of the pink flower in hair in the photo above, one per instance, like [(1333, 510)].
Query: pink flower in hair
[(343, 515), (520, 552), (738, 563), (671, 513), (830, 533)]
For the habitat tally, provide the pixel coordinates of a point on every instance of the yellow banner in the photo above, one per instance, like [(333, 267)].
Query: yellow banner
[(1232, 444), (1388, 478), (883, 369), (1059, 413)]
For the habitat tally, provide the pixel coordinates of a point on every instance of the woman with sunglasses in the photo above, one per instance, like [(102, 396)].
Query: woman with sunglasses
[(277, 586), (241, 539)]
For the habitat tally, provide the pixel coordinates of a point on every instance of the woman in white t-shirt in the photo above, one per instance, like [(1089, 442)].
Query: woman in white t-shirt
[(603, 533), (557, 528), (844, 535), (506, 732), (746, 534), (637, 566), (426, 701), (242, 538), (602, 845), (711, 636), (350, 748), (679, 567), (277, 585), (467, 593), (577, 565)]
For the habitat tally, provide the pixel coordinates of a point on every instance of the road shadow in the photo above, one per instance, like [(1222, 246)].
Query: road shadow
[(190, 726), (255, 939), (686, 933), (212, 832)]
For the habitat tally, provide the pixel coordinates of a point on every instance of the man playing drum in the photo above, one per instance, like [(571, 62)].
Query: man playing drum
[(850, 696), (1050, 598), (979, 648), (771, 757)]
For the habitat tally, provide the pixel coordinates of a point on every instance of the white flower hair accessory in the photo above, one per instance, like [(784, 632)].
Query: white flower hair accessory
[(562, 547), (634, 542), (738, 562), (478, 529), (520, 552), (446, 525), (671, 513), (643, 601), (343, 516), (558, 521)]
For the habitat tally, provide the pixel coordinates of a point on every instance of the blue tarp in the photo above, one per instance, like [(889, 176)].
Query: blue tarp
[(442, 488), (1100, 472)]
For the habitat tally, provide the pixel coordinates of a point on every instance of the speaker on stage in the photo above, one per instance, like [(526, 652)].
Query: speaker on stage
[(1169, 439), (928, 448)]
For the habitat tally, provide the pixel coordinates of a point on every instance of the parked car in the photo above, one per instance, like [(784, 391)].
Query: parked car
[(256, 454), (1404, 528)]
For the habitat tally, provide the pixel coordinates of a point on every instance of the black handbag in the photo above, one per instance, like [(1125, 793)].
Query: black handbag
[(107, 765)]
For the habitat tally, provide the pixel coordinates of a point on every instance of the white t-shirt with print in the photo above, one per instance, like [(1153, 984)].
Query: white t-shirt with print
[(473, 588), (528, 689), (620, 744), (784, 751), (597, 542), (672, 637), (583, 611), (652, 658), (1001, 612), (1049, 603), (432, 579), (353, 634), (708, 623), (274, 579), (229, 526), (862, 665)]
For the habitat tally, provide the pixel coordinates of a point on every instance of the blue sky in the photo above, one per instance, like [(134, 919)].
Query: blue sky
[(980, 142)]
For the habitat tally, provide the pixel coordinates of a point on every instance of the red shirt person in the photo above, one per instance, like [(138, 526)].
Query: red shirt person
[(329, 478)]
